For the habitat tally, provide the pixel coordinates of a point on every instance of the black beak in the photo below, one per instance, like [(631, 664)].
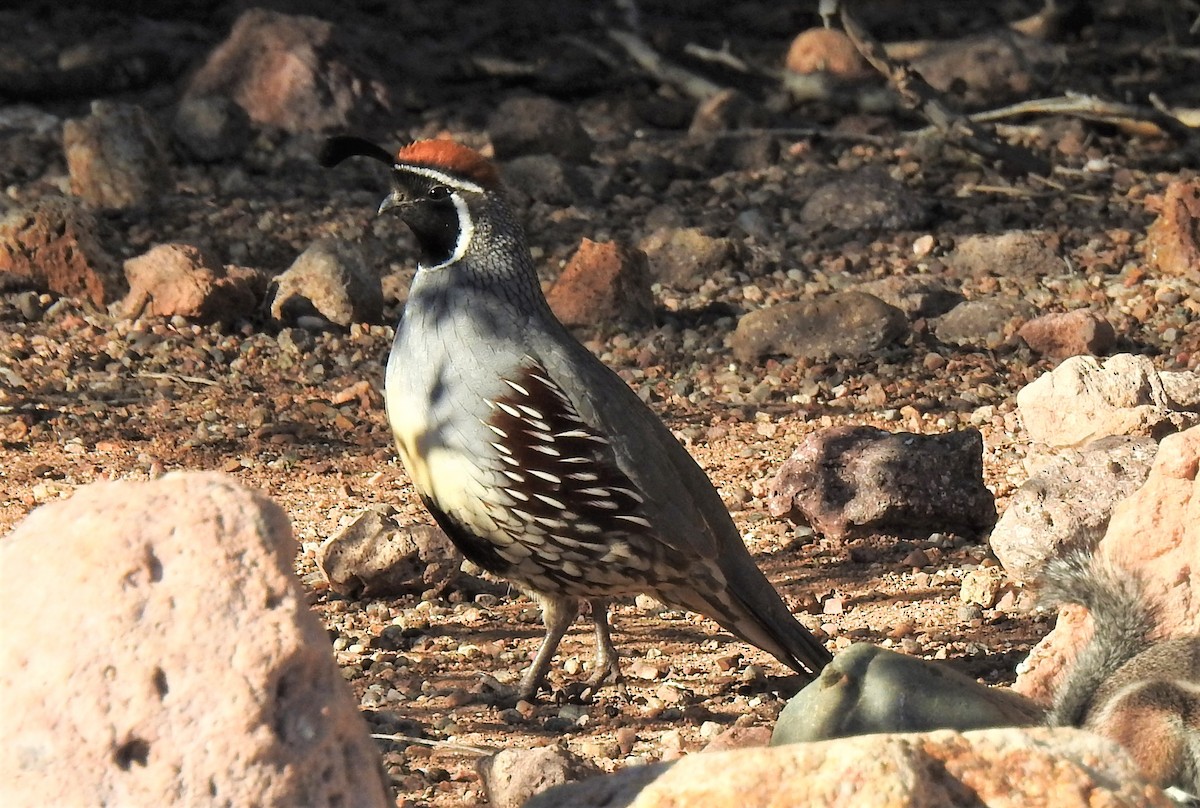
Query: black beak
[(338, 148)]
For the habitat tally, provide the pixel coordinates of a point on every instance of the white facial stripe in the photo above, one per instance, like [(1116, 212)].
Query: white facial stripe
[(466, 229), (438, 176)]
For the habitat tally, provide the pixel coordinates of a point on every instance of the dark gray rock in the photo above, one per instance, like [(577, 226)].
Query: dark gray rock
[(211, 128), (1068, 502), (537, 125), (854, 480), (845, 324), (915, 296), (868, 690), (988, 67), (866, 200), (546, 178), (1013, 254), (986, 323)]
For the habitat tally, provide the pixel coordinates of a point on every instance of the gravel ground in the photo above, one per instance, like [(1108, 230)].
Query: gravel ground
[(85, 397)]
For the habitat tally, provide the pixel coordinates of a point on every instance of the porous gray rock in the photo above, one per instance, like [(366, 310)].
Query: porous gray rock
[(867, 689), (511, 776), (327, 283), (1068, 501), (374, 556), (1082, 400), (853, 480), (685, 257), (842, 324), (194, 674), (116, 156)]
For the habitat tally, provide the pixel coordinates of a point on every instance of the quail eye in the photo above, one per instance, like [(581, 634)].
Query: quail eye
[(439, 192)]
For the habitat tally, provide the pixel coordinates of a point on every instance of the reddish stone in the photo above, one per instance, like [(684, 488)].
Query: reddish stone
[(195, 672), (52, 245), (181, 279), (1173, 241), (604, 282), (1155, 533), (825, 50), (1072, 333)]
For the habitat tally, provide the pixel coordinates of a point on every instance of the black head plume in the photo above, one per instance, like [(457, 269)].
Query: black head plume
[(338, 148)]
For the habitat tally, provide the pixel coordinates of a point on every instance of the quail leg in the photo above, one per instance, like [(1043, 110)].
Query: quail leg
[(608, 667), (557, 615)]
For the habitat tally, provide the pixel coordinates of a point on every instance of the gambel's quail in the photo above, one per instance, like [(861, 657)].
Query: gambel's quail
[(540, 464)]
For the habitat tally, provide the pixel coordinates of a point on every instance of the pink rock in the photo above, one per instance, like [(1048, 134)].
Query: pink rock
[(1156, 533), (1082, 400), (604, 282), (190, 670), (1066, 768), (181, 279), (52, 245), (299, 73), (1069, 333)]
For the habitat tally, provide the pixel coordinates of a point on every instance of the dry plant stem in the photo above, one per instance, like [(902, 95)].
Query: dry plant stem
[(1127, 116), (653, 63), (459, 747), (918, 95), (721, 57)]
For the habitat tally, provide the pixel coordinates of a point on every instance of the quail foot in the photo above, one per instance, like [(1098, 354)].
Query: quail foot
[(538, 461)]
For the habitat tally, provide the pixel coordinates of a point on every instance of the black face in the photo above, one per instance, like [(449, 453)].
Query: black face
[(427, 208), (424, 204)]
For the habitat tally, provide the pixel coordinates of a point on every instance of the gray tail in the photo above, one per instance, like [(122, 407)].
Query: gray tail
[(1121, 619), (751, 609)]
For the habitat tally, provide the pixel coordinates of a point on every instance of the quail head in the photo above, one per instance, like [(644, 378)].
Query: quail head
[(541, 465)]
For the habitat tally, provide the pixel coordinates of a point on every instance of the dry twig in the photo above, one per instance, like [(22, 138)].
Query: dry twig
[(458, 747), (1129, 117), (653, 63), (918, 95)]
